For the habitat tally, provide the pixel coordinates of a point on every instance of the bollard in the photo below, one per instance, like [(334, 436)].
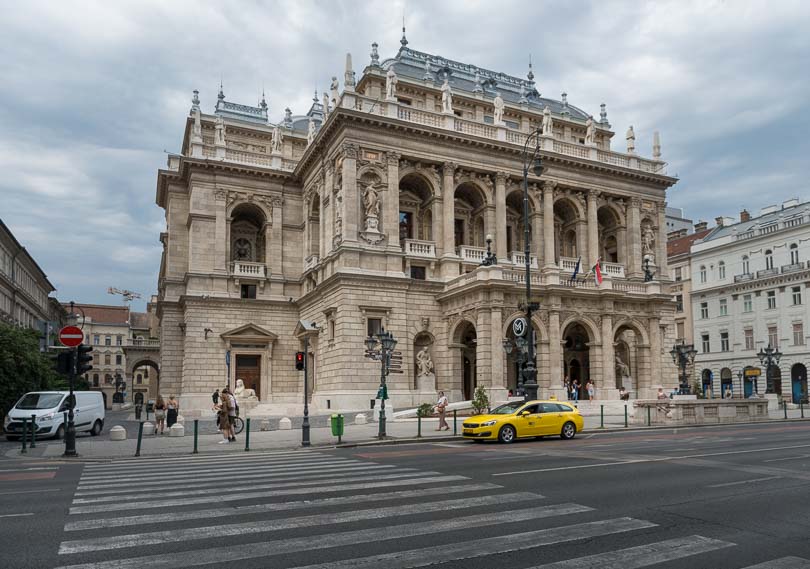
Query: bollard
[(196, 427), (140, 436), (247, 434), (784, 406), (801, 407), (33, 430), (418, 426), (625, 416), (455, 425), (24, 436), (649, 416), (601, 416)]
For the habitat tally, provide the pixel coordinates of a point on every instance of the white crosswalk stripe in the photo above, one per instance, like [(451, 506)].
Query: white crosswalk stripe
[(174, 514)]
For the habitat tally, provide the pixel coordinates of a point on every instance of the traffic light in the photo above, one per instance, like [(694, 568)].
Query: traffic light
[(83, 359), (299, 361), (64, 362)]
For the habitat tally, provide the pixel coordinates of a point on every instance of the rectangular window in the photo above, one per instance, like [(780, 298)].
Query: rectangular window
[(374, 326), (723, 341), (771, 299), (705, 341), (119, 340), (678, 303), (721, 270), (748, 334), (107, 359), (678, 274), (680, 329), (418, 273), (96, 339), (798, 334), (748, 305), (797, 294), (773, 337), (723, 307), (107, 341), (704, 310), (118, 359), (248, 291)]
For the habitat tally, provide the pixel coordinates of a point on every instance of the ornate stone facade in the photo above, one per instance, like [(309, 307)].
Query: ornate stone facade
[(379, 220)]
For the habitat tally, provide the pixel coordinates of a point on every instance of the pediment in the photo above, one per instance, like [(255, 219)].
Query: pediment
[(251, 332)]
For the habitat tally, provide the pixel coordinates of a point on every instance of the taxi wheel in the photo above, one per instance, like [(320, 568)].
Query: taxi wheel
[(507, 434), (568, 431)]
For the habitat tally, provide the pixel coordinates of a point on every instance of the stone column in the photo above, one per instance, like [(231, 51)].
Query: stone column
[(328, 208), (655, 355), (608, 354), (633, 264), (500, 216), (593, 228), (490, 213), (661, 243), (582, 242), (621, 246), (437, 220), (220, 232), (391, 202), (449, 265), (483, 350), (555, 349), (536, 221), (351, 201), (496, 324), (548, 229), (273, 244)]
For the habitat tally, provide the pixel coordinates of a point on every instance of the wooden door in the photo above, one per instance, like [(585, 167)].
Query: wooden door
[(248, 369)]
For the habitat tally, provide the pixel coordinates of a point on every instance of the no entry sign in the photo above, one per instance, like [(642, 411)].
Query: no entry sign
[(71, 336)]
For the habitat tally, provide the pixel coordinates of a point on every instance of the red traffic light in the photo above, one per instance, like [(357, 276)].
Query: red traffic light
[(299, 361)]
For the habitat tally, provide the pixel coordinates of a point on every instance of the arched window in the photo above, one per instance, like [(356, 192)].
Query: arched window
[(746, 266), (794, 254), (721, 270), (703, 273), (768, 259)]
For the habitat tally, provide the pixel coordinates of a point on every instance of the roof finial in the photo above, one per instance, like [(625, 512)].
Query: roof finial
[(375, 56), (404, 40), (478, 88), (195, 101), (263, 102), (530, 75), (603, 114), (221, 95), (315, 96)]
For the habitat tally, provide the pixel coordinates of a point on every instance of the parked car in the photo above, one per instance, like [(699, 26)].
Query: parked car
[(521, 419), (49, 408)]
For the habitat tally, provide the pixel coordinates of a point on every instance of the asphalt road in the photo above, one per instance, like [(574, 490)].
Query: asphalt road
[(720, 497)]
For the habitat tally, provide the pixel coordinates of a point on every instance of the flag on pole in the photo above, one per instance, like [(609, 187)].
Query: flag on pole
[(576, 269), (597, 271)]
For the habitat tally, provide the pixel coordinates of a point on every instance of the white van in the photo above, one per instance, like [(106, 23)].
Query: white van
[(50, 407)]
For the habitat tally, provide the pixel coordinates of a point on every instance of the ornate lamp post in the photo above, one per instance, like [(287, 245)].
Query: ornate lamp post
[(490, 258), (521, 345), (683, 355), (381, 349), (648, 274), (768, 357)]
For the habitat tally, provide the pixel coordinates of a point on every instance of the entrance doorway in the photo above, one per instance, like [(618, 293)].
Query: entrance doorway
[(776, 379), (576, 355), (706, 382), (726, 384), (248, 369), (798, 376), (468, 340)]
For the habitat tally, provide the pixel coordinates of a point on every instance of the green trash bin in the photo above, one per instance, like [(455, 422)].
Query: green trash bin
[(337, 426)]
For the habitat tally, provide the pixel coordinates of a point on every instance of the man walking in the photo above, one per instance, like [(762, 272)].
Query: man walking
[(441, 405)]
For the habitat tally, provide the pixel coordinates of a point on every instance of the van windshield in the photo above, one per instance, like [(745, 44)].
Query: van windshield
[(39, 401)]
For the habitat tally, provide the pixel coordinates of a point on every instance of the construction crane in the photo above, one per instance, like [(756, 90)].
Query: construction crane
[(127, 295)]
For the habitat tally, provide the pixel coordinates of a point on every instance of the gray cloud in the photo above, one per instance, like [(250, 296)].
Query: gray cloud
[(93, 92)]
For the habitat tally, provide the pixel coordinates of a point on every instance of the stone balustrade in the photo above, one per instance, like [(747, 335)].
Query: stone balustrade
[(144, 342), (519, 258), (613, 269), (248, 269), (422, 249), (470, 254)]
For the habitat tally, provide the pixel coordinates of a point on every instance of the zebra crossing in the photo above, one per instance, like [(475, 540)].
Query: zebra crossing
[(308, 510)]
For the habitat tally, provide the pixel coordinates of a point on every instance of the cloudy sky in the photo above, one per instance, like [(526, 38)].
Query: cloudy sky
[(93, 93)]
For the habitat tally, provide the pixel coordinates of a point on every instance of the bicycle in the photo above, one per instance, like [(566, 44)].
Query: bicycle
[(238, 424)]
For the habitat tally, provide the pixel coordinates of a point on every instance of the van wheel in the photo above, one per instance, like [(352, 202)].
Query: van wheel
[(507, 434), (96, 430), (60, 433), (568, 431)]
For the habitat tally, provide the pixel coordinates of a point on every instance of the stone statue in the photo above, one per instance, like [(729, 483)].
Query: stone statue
[(371, 201), (391, 84), (277, 139), (311, 132), (647, 240), (622, 369), (590, 132), (242, 392), (548, 123), (196, 133), (424, 363), (631, 140), (242, 250), (325, 106), (498, 115), (333, 90), (447, 97), (219, 132)]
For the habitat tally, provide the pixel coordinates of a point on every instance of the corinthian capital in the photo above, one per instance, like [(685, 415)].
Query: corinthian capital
[(350, 150), (449, 168), (392, 158), (501, 177), (549, 185)]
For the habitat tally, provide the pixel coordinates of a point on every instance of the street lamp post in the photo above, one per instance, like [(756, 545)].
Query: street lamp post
[(381, 349), (683, 355), (768, 357), (490, 258)]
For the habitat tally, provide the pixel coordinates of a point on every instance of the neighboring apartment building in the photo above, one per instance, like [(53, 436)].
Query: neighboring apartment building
[(372, 211), (24, 287), (749, 290), (676, 221), (679, 257)]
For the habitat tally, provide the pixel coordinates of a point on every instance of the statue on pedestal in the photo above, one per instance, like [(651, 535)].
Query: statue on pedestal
[(447, 97), (242, 392), (371, 202), (391, 85), (590, 132), (333, 90), (498, 115), (622, 369), (631, 140), (277, 140), (648, 241), (548, 123), (424, 363), (219, 132)]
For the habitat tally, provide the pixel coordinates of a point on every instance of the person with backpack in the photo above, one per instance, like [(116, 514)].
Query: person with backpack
[(227, 413)]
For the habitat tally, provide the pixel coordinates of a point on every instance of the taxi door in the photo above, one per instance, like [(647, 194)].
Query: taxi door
[(550, 419), (529, 421)]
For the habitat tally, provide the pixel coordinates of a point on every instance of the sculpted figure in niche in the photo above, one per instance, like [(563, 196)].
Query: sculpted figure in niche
[(447, 97), (242, 392), (622, 369), (647, 240), (424, 363), (631, 140), (590, 132), (242, 250), (219, 132), (498, 116), (371, 201), (277, 139), (391, 84), (548, 124)]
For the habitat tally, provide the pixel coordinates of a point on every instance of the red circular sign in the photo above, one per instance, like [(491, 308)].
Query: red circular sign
[(71, 336)]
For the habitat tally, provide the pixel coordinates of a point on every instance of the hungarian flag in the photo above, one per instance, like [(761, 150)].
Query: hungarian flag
[(576, 269), (597, 271)]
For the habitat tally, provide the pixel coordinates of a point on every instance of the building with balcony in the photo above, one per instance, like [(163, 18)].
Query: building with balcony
[(372, 211), (749, 291), (679, 259)]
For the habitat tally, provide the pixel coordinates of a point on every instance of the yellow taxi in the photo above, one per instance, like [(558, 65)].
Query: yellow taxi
[(525, 419)]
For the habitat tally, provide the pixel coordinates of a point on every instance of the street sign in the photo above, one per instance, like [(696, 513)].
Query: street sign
[(753, 372), (519, 327), (71, 336)]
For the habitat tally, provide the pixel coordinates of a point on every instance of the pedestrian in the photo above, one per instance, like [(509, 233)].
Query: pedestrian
[(623, 394), (215, 396), (233, 413), (441, 406), (575, 390), (172, 411), (567, 387), (224, 409), (728, 393), (591, 390), (509, 393), (160, 415)]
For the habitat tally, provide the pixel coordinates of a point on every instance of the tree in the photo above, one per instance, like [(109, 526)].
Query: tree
[(480, 402), (23, 367)]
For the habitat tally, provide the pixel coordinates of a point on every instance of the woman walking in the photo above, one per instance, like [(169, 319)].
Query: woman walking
[(226, 416), (160, 415), (591, 390), (173, 409), (441, 405)]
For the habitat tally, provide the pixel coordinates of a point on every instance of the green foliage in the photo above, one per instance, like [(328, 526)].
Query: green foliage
[(424, 410), (480, 402), (697, 389), (23, 367)]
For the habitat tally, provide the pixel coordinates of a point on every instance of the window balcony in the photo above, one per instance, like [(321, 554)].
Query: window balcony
[(470, 254), (743, 277), (248, 270), (792, 268), (767, 273), (420, 249), (519, 258), (615, 270)]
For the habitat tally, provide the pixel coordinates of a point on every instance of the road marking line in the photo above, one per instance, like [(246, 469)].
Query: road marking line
[(152, 519), (643, 555), (460, 551), (782, 563), (30, 491), (16, 515), (743, 482), (261, 549), (126, 464), (247, 488), (269, 494), (27, 476), (200, 482), (46, 468), (788, 458), (267, 526)]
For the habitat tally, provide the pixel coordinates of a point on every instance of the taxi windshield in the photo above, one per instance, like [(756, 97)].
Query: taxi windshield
[(507, 408)]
